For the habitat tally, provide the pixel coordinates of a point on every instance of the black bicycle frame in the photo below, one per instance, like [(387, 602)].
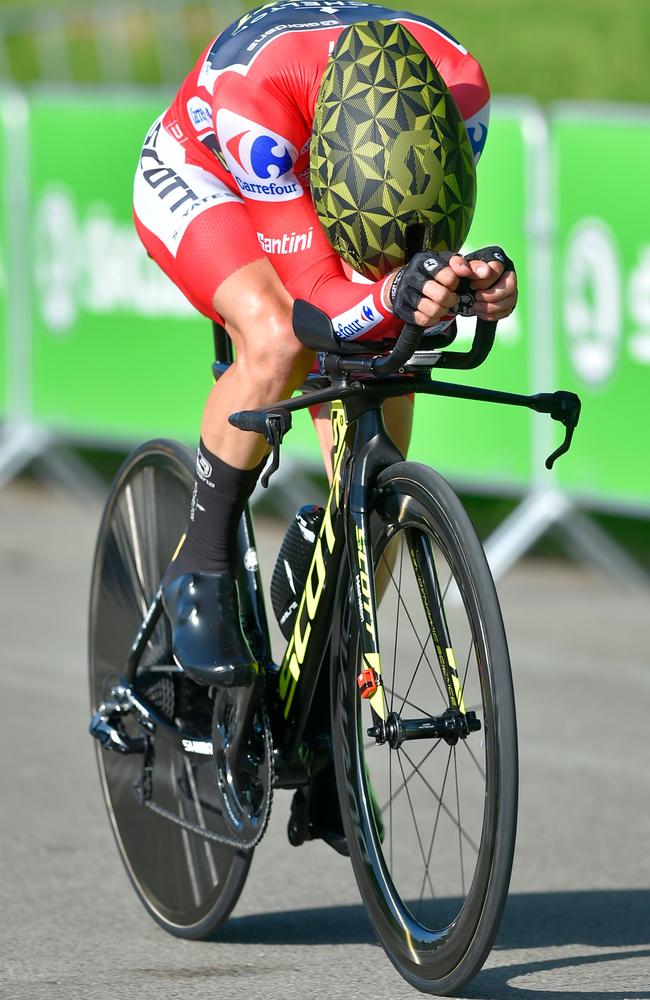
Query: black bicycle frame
[(362, 449)]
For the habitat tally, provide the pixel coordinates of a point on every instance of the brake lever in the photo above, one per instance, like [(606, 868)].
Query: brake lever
[(564, 407), (277, 425)]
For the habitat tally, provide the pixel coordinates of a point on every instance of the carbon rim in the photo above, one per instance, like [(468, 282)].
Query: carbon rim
[(188, 884), (423, 820)]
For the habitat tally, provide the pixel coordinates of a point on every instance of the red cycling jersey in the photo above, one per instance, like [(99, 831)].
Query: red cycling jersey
[(224, 177)]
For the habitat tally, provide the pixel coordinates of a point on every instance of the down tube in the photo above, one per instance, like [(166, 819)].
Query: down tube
[(360, 559), (308, 645)]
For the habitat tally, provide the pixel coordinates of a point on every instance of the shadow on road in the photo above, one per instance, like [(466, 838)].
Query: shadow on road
[(614, 919)]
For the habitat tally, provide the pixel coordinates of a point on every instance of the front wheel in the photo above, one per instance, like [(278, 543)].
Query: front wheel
[(430, 824)]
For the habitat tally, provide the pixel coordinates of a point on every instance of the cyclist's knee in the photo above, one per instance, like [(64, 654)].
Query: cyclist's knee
[(268, 348), (257, 309)]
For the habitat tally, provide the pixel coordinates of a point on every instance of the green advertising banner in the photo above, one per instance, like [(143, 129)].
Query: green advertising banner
[(117, 351), (602, 328), (480, 443), (5, 373), (106, 348)]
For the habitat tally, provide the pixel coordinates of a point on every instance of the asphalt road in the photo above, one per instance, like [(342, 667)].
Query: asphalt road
[(577, 923)]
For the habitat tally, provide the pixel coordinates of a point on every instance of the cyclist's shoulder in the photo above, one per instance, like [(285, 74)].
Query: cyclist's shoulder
[(277, 35)]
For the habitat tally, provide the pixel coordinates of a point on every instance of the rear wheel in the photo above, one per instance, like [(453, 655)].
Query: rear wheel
[(430, 823), (187, 883)]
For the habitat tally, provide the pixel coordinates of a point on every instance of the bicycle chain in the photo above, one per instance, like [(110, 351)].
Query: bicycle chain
[(144, 797)]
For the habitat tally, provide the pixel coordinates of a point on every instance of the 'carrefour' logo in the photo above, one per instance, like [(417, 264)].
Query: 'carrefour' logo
[(357, 320), (269, 159), (477, 130), (261, 161)]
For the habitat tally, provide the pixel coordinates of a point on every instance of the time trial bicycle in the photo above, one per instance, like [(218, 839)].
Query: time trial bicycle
[(393, 695)]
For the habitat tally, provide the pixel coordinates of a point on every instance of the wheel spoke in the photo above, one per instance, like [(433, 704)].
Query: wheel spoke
[(200, 818), (401, 787), (411, 704), (135, 543), (411, 682), (417, 829), (122, 537), (390, 800), (469, 656), (422, 646), (460, 839), (408, 615), (185, 837), (435, 825), (474, 758), (447, 586), (445, 808)]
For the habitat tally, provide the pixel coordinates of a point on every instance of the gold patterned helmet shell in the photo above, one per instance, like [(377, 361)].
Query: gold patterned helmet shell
[(389, 150)]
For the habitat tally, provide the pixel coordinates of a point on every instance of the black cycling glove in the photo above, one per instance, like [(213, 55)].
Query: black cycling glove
[(464, 291), (492, 253), (407, 288)]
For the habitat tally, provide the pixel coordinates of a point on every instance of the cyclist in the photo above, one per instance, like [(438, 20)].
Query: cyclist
[(222, 202)]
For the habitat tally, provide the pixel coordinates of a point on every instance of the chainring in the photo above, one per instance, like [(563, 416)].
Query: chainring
[(243, 763)]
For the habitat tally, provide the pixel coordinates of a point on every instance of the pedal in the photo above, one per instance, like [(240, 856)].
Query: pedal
[(111, 738)]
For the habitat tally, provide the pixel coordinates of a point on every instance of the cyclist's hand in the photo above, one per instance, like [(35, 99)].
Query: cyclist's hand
[(423, 291), (494, 284)]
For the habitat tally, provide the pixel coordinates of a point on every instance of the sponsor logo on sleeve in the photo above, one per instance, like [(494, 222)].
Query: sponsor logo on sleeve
[(261, 161), (477, 129), (200, 114), (358, 320)]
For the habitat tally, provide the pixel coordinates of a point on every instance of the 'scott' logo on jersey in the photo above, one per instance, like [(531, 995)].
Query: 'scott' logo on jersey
[(261, 161)]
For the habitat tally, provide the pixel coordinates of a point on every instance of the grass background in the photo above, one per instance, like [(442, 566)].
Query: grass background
[(546, 49), (550, 49)]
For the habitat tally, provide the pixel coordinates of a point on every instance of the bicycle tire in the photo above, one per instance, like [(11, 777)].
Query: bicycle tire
[(436, 944), (187, 884)]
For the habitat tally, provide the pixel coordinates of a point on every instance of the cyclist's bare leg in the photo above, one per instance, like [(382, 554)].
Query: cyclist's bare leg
[(199, 589), (270, 362)]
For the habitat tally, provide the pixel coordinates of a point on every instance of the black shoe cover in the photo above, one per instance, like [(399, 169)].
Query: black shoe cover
[(208, 642)]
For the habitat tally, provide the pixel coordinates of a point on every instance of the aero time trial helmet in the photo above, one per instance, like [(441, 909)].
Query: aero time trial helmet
[(389, 151)]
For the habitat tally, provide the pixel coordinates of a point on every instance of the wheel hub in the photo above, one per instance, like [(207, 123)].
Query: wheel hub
[(451, 726)]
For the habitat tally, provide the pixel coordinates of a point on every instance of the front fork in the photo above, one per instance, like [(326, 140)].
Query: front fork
[(455, 722), (374, 451), (427, 579)]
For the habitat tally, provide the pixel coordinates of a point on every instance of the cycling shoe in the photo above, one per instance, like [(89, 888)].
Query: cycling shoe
[(207, 638)]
